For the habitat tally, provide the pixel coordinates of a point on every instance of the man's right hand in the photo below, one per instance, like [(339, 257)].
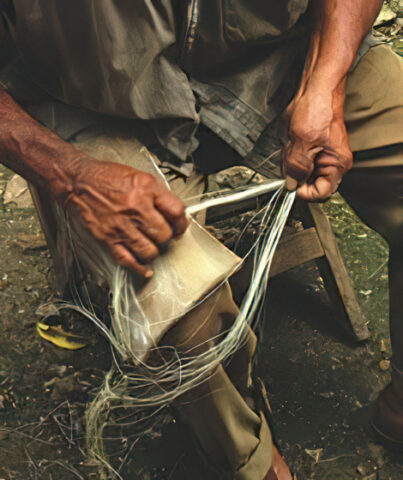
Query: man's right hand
[(128, 210)]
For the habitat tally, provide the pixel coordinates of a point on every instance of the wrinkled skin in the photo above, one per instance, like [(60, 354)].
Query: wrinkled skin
[(129, 211), (318, 154)]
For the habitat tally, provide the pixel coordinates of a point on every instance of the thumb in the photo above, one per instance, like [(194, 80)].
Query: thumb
[(290, 183)]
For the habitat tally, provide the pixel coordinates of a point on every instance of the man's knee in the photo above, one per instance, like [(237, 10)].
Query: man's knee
[(204, 325)]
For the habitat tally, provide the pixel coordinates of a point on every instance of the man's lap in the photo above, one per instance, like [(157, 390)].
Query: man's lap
[(374, 100), (374, 120)]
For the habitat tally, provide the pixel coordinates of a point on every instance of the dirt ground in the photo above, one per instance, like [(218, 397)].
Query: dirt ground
[(321, 384)]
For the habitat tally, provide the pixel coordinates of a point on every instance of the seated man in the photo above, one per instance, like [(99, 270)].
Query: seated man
[(108, 77)]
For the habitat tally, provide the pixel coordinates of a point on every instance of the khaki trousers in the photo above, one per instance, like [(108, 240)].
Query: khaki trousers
[(374, 187)]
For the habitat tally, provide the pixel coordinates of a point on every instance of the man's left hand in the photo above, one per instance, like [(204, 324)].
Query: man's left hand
[(318, 154)]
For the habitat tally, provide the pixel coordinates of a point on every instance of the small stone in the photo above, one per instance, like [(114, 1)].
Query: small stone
[(326, 394), (384, 365), (361, 470), (17, 192), (383, 345), (49, 383), (61, 370)]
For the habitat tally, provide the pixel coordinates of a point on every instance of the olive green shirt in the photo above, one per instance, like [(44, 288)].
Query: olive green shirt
[(232, 64)]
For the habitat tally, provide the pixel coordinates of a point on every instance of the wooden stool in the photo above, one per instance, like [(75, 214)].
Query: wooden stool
[(315, 242)]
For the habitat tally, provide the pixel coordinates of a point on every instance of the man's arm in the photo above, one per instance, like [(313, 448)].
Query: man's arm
[(126, 209), (318, 154)]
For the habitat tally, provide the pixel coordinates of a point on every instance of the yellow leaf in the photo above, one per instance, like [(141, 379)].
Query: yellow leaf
[(59, 337)]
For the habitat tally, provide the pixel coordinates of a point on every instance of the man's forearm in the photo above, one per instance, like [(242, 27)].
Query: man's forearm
[(339, 28), (34, 152), (128, 210), (318, 153)]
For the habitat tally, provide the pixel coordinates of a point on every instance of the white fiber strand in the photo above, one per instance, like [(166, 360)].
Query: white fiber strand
[(140, 385), (250, 192)]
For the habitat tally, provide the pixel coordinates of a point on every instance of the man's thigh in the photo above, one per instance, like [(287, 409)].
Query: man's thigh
[(374, 120), (374, 101)]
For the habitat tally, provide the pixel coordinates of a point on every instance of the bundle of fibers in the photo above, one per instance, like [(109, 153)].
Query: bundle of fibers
[(135, 383)]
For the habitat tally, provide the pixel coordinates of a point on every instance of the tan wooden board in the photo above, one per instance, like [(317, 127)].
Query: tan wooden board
[(295, 250)]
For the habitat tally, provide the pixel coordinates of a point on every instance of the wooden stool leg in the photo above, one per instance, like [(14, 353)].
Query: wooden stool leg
[(336, 277)]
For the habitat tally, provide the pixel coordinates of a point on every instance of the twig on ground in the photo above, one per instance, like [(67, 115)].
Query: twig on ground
[(124, 460), (69, 468)]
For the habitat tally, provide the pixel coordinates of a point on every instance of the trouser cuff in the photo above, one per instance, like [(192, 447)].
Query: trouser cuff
[(260, 461)]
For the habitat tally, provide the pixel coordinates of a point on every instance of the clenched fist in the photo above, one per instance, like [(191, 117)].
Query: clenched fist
[(128, 210), (318, 154)]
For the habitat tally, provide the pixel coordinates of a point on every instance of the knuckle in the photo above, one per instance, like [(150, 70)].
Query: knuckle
[(126, 260), (122, 260), (121, 257), (147, 253), (165, 236), (145, 179), (176, 208)]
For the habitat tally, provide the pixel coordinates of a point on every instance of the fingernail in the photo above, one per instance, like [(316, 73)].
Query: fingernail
[(290, 183), (149, 274)]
